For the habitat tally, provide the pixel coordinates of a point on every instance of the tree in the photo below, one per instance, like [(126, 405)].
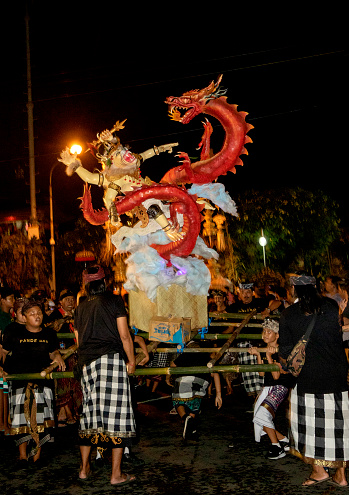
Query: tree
[(23, 260), (299, 225)]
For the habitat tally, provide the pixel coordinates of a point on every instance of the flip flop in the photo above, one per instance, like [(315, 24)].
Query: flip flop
[(127, 480), (335, 483), (88, 477), (314, 481)]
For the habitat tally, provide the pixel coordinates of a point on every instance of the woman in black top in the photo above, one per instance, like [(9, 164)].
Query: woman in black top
[(319, 402)]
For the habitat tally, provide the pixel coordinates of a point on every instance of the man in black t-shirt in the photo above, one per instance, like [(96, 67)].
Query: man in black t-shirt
[(105, 357), (247, 302)]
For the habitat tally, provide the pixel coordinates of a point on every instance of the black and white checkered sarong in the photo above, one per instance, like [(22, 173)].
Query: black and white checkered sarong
[(320, 427), (252, 381), (21, 421), (107, 407)]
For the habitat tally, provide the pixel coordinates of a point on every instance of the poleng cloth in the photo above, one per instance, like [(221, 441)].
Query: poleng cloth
[(107, 409)]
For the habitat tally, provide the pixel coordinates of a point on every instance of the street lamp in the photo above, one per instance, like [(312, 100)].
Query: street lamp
[(263, 242), (73, 149)]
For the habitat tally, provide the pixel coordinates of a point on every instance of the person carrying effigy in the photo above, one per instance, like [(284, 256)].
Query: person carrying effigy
[(105, 357), (275, 390), (189, 391)]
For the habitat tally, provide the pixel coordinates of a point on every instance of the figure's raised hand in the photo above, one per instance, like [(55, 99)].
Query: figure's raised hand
[(71, 160), (105, 135), (66, 157)]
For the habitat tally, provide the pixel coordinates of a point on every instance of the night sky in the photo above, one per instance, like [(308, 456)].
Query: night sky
[(93, 66)]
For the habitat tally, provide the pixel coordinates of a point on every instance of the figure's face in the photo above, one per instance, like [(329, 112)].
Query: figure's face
[(33, 317), (269, 336), (123, 157), (68, 303), (246, 295)]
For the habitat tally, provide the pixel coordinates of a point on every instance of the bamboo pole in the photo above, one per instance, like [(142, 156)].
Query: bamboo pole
[(235, 334), (188, 370), (232, 324), (68, 352), (207, 336), (150, 347), (173, 350)]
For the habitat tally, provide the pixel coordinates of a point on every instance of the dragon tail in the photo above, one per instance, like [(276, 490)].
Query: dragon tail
[(94, 217)]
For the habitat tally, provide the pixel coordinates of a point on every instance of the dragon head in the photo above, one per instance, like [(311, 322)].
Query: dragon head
[(193, 102)]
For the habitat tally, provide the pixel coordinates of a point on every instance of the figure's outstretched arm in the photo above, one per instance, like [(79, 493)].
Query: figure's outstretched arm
[(73, 164), (156, 150)]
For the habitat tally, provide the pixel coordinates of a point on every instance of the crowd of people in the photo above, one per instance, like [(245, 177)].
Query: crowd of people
[(100, 397)]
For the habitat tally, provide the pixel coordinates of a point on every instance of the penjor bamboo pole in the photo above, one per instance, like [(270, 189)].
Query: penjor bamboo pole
[(234, 335), (188, 370)]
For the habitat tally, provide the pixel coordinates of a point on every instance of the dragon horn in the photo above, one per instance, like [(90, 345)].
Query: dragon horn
[(219, 80)]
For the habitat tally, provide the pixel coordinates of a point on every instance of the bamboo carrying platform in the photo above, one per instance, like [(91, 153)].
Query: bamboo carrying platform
[(211, 367)]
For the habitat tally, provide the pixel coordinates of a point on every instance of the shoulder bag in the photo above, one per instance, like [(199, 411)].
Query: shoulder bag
[(296, 359)]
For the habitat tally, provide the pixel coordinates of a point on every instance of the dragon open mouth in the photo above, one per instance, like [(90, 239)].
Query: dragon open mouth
[(175, 113)]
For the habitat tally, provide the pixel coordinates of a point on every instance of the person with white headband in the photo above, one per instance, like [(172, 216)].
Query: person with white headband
[(274, 392)]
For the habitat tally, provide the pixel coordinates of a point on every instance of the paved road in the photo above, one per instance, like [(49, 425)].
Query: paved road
[(204, 467)]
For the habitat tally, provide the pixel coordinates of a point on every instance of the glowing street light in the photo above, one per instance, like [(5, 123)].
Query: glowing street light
[(263, 242), (76, 148)]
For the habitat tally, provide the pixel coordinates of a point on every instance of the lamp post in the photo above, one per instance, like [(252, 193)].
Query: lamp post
[(52, 233), (262, 241), (73, 149)]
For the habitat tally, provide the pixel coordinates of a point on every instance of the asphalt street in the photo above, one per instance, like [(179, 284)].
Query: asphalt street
[(206, 466)]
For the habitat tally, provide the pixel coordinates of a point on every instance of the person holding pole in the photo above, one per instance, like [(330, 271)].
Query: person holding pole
[(190, 389), (29, 349), (274, 392)]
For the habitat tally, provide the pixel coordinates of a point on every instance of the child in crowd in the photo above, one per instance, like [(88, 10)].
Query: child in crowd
[(274, 392), (29, 348)]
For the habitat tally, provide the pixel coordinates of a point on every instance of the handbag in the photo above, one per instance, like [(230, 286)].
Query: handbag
[(296, 359)]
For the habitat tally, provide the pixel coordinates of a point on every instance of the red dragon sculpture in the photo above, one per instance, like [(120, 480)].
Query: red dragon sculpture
[(180, 202), (209, 101)]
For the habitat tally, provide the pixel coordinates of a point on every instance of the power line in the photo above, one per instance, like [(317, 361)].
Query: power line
[(163, 81)]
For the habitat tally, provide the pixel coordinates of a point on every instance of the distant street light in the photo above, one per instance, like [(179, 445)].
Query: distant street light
[(76, 149), (263, 242)]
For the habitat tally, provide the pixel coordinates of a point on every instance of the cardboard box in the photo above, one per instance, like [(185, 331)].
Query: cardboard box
[(170, 330)]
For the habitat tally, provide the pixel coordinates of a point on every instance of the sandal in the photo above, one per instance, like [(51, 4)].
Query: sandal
[(129, 479), (334, 482), (314, 482)]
